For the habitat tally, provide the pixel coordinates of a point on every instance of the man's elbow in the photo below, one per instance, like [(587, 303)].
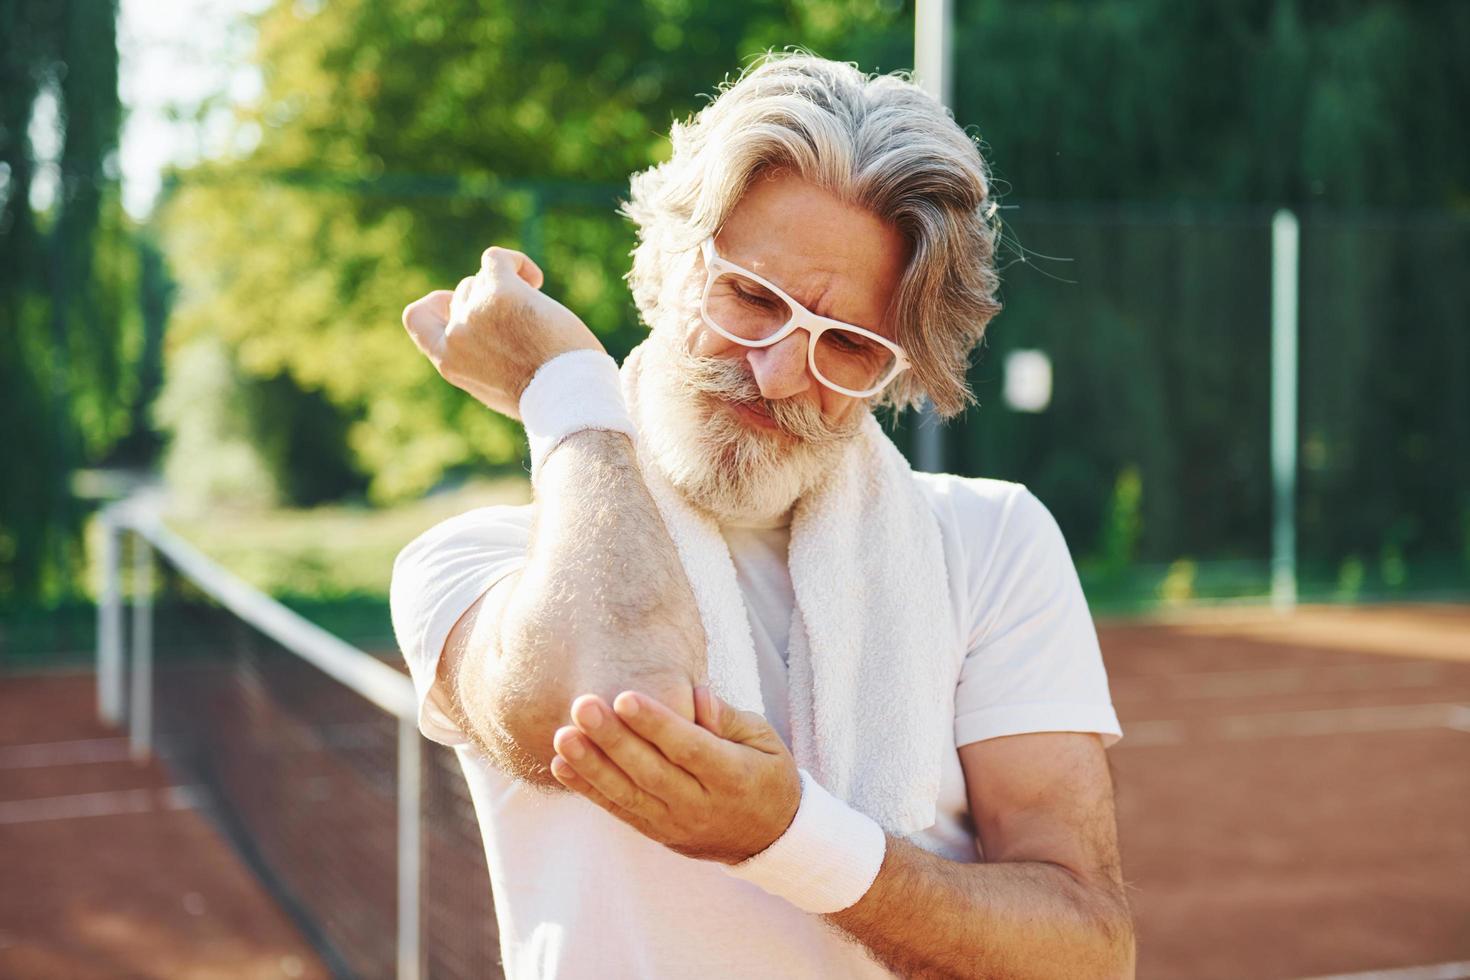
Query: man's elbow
[(1113, 928), (515, 715), (1099, 923), (512, 716)]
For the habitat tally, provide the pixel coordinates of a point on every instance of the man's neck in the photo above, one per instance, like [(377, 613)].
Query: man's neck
[(759, 522)]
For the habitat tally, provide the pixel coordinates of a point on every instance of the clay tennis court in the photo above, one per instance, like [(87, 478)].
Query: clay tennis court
[(1294, 794), (112, 868), (1293, 797)]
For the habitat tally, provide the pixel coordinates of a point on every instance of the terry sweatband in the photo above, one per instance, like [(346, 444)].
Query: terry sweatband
[(825, 861), (580, 389)]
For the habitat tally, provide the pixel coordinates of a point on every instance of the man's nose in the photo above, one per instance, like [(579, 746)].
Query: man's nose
[(781, 370)]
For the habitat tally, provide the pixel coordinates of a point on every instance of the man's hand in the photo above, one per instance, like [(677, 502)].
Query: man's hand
[(722, 788), (490, 335)]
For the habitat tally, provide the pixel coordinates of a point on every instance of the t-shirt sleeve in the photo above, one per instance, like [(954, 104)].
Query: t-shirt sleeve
[(436, 578), (1033, 663)]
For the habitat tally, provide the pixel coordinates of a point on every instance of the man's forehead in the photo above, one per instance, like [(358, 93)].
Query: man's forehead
[(825, 285), (836, 259)]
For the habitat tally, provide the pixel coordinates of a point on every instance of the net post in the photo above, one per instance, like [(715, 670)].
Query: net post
[(934, 72), (109, 626), (140, 713), (934, 48), (928, 440), (410, 810), (1285, 240)]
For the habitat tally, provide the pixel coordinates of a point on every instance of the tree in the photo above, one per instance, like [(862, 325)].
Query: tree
[(398, 140), (68, 332)]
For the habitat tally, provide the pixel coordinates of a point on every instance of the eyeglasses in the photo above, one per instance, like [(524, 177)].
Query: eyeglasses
[(754, 312)]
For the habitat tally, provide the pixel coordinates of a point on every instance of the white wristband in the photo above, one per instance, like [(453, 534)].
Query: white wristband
[(825, 861), (577, 390)]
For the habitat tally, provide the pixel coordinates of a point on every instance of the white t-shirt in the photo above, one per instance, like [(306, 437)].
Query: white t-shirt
[(578, 893)]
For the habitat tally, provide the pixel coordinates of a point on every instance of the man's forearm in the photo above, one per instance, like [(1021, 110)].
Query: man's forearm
[(926, 916), (602, 604)]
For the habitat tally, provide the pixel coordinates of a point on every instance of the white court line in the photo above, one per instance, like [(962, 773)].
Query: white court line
[(1316, 679), (1141, 733), (105, 804), (81, 751), (1319, 721), (1435, 971), (1338, 721)]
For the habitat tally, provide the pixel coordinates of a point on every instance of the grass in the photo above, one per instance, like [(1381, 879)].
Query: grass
[(334, 551)]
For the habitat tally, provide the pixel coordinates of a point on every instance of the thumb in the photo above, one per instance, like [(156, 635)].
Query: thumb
[(425, 320), (508, 265), (730, 723)]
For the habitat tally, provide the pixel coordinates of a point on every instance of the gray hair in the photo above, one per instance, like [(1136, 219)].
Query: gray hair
[(879, 142)]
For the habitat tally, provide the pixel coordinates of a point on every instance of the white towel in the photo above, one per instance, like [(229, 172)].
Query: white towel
[(871, 654)]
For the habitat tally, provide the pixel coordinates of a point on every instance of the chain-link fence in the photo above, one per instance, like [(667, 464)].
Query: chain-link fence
[(1154, 449)]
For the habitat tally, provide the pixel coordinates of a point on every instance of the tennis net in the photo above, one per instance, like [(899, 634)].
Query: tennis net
[(308, 756)]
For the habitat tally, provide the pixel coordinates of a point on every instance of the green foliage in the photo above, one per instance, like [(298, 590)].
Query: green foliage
[(1392, 568), (69, 326), (214, 455), (1177, 587), (397, 141), (1350, 579), (1268, 101), (1120, 534)]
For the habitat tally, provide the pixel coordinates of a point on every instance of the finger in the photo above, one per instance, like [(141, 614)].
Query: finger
[(648, 767), (688, 746), (567, 776), (425, 320), (498, 261), (438, 302), (589, 762), (462, 292)]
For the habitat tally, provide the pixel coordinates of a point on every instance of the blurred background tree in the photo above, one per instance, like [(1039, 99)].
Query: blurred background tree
[(396, 142), (70, 326), (397, 139)]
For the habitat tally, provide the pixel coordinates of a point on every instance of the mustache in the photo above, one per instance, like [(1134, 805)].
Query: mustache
[(731, 380)]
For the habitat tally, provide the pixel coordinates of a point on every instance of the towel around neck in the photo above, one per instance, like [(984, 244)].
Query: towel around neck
[(873, 653)]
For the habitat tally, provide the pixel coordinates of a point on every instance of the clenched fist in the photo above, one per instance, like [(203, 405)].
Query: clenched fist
[(490, 335)]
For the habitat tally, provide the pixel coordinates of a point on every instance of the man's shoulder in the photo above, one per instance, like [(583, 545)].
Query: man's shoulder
[(497, 525), (987, 519), (970, 504)]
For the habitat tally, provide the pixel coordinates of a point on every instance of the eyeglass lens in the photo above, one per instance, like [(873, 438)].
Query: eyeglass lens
[(745, 309)]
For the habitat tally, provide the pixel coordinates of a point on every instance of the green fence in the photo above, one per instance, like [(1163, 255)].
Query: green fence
[(1154, 452)]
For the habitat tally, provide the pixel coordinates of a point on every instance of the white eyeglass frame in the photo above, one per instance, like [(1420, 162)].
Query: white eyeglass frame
[(801, 318)]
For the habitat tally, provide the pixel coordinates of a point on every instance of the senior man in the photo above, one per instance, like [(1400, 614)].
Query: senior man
[(740, 694)]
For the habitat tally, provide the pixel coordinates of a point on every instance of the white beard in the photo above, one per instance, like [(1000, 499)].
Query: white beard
[(733, 471)]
